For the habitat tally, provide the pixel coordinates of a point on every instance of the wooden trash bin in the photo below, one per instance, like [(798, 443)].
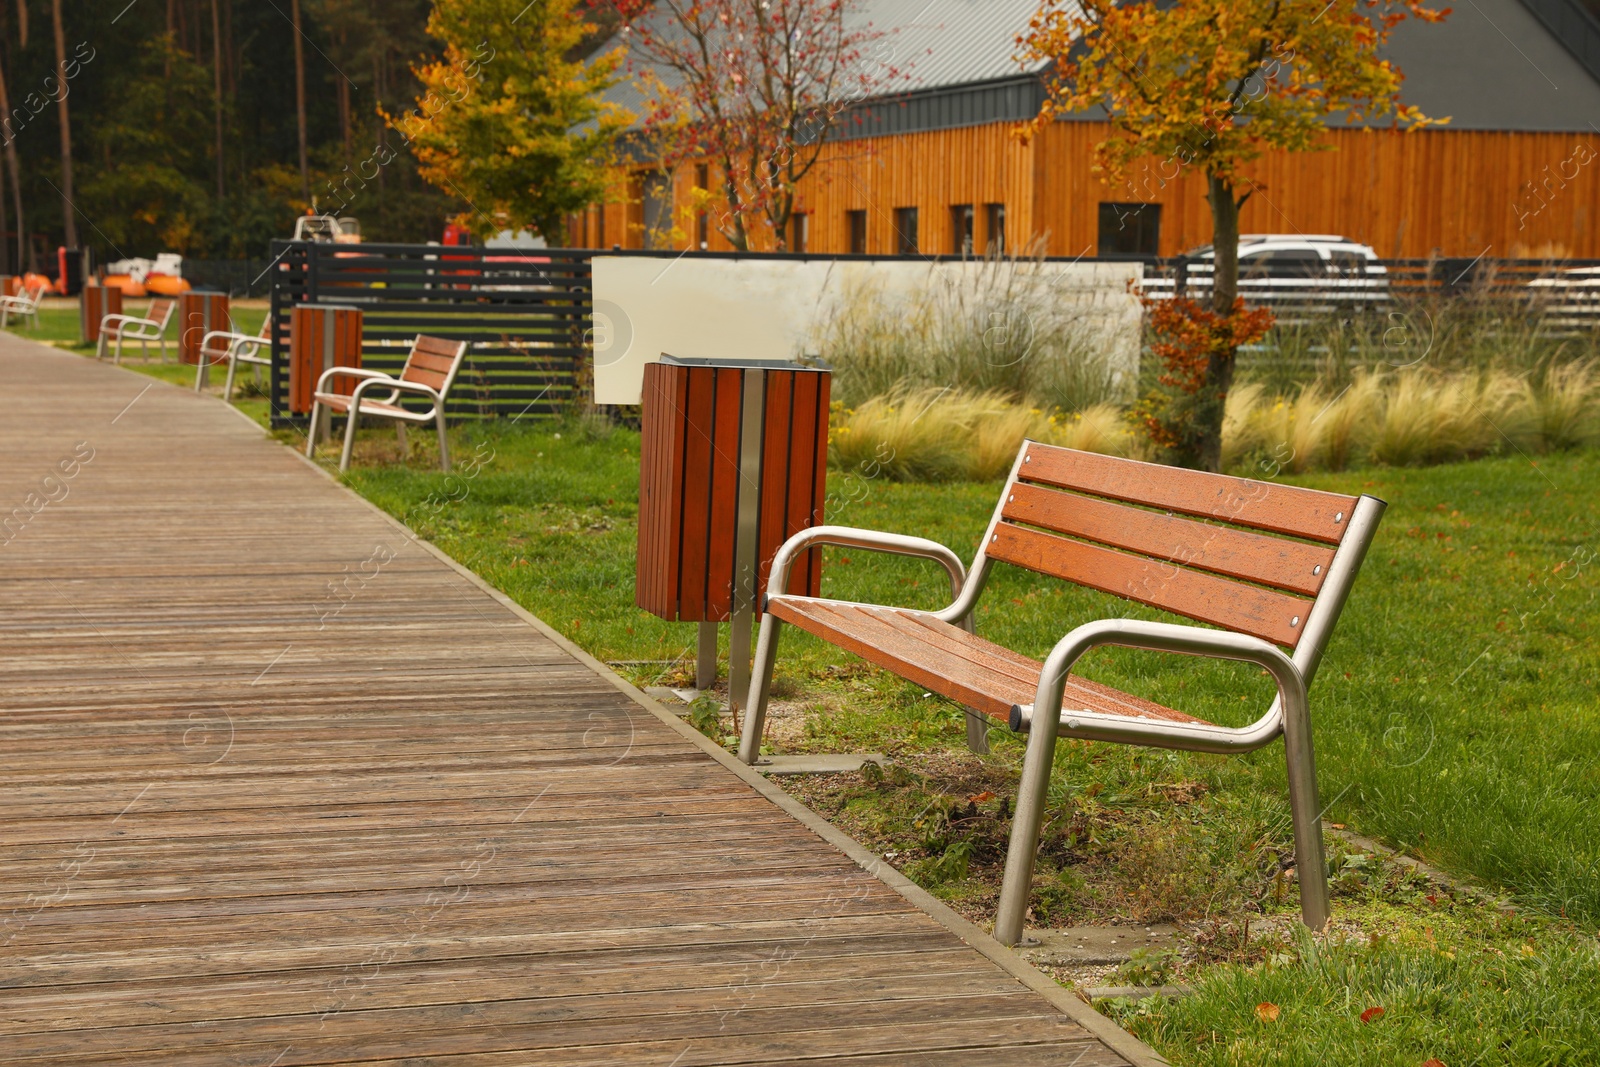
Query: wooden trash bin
[(734, 462), (198, 314), (321, 336), (94, 304)]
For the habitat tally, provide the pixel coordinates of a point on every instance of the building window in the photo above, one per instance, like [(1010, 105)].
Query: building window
[(858, 232), (702, 222), (995, 229), (961, 229), (905, 231), (1130, 229), (799, 232)]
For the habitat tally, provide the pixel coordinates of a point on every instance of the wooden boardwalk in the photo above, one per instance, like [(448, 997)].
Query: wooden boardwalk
[(253, 818)]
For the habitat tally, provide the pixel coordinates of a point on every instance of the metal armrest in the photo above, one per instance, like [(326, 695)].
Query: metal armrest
[(1166, 637), (352, 372), (397, 385), (873, 540), (233, 337), (122, 322)]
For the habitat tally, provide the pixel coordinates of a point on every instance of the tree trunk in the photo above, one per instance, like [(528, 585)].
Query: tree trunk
[(16, 173), (300, 96), (5, 258), (1212, 400), (66, 127), (216, 81)]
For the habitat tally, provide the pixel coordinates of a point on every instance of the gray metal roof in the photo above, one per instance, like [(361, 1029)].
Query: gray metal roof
[(932, 44), (1491, 65)]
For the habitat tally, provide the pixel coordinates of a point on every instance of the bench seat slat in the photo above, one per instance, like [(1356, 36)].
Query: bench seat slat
[(951, 662), (1287, 509), (1264, 613), (1275, 561)]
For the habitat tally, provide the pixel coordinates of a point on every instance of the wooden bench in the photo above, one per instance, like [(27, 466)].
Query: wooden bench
[(227, 346), (430, 371), (25, 305), (151, 327), (1269, 565)]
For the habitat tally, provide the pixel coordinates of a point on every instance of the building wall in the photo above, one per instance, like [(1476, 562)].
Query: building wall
[(1408, 194)]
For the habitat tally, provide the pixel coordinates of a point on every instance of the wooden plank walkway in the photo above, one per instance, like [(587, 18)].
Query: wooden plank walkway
[(252, 819)]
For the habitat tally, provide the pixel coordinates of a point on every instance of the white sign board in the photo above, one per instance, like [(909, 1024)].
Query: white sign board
[(771, 309)]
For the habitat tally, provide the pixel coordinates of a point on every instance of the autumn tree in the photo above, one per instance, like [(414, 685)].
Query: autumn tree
[(1211, 85), (752, 87), (510, 122)]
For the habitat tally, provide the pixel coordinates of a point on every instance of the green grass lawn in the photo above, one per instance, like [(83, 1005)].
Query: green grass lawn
[(1455, 717)]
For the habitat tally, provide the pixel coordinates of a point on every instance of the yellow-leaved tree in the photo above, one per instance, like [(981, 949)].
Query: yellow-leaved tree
[(1211, 84), (510, 122)]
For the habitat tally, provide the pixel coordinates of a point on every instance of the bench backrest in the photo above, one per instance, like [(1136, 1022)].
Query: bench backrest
[(434, 362), (161, 312), (1256, 565)]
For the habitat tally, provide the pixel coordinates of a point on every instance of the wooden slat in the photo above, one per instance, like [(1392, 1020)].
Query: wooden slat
[(692, 565), (725, 489), (1285, 509), (951, 662), (239, 830), (1263, 613), (777, 434), (1274, 561)]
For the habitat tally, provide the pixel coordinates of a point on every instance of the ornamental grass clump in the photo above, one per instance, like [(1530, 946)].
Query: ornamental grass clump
[(1004, 327), (938, 435)]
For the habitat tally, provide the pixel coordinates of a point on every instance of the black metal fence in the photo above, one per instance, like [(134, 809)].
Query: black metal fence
[(525, 314)]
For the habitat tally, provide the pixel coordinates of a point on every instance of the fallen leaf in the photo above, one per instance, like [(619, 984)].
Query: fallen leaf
[(1267, 1011), (979, 798), (1431, 1062), (1372, 1013)]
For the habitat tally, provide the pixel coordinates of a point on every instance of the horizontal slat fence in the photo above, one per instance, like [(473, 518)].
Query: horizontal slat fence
[(525, 315)]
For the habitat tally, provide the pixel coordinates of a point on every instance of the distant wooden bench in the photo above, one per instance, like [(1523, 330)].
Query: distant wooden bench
[(25, 305), (151, 327), (227, 346), (430, 371), (1271, 565)]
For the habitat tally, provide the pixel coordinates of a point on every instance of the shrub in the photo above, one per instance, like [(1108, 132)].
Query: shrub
[(1005, 329)]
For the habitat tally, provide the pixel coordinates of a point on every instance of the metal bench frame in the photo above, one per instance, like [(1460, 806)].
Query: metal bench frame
[(136, 328), (422, 374), (1288, 715), (236, 348), (25, 305)]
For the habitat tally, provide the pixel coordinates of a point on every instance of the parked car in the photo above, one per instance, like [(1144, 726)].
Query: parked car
[(1293, 267)]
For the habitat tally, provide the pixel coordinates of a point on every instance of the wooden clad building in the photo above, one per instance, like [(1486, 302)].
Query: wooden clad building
[(937, 167)]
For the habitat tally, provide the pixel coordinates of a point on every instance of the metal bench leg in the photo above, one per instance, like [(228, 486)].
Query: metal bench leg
[(444, 441), (311, 431), (1032, 793), (755, 712), (1311, 865), (100, 346), (400, 436), (977, 732), (227, 385), (117, 356), (351, 419)]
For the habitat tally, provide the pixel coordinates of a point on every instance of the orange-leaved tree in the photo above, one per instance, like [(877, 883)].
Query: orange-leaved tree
[(1211, 84)]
